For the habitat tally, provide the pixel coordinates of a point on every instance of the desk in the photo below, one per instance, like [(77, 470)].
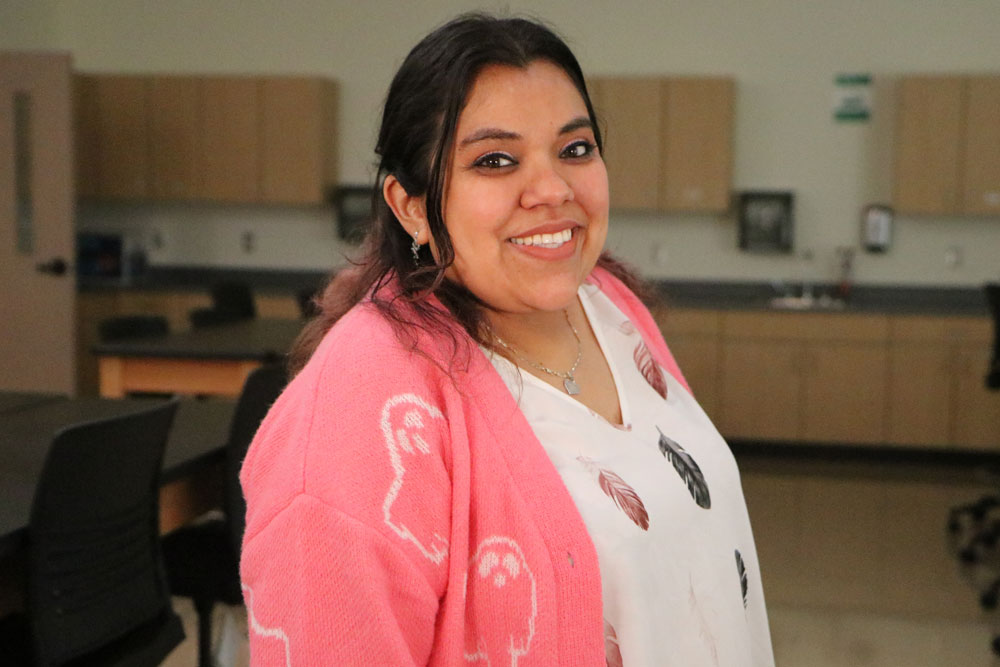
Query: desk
[(196, 444), (211, 361)]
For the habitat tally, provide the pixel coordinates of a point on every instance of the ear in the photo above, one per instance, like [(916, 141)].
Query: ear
[(409, 210)]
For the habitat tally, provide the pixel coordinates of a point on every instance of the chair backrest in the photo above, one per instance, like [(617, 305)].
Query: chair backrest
[(231, 302), (261, 389), (993, 299), (123, 327), (234, 298), (95, 570)]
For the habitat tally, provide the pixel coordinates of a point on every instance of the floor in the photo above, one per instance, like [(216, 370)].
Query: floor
[(801, 637)]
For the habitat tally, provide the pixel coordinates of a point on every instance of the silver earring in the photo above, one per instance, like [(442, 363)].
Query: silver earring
[(415, 248)]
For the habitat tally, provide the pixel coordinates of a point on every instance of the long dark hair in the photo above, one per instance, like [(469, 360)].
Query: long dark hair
[(419, 119)]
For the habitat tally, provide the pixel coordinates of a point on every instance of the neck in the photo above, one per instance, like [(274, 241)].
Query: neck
[(541, 336)]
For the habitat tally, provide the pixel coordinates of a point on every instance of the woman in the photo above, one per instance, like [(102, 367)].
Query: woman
[(491, 456)]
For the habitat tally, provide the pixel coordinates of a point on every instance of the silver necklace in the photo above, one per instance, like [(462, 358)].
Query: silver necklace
[(569, 382)]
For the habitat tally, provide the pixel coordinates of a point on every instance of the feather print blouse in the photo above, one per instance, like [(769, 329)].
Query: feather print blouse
[(661, 498)]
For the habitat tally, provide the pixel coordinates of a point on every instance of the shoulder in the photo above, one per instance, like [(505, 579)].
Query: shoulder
[(619, 293), (332, 433), (635, 310)]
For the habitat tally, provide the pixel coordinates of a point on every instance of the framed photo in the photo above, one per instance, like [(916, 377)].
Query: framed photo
[(766, 221), (353, 204)]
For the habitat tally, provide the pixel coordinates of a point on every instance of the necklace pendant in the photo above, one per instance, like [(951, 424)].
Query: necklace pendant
[(572, 388)]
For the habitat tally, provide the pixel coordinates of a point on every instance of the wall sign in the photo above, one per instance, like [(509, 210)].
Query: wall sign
[(852, 97)]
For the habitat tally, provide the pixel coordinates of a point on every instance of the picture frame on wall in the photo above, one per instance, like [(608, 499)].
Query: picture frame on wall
[(766, 221)]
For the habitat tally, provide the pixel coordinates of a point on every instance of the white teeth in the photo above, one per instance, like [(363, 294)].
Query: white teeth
[(545, 240)]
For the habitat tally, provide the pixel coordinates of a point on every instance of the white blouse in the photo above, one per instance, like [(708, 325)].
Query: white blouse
[(661, 497)]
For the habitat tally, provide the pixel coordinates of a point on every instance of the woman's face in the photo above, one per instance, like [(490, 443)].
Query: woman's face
[(526, 203)]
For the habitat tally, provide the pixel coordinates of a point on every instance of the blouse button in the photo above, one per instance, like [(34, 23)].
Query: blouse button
[(569, 556)]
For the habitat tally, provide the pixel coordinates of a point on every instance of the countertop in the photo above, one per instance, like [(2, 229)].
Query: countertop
[(715, 295)]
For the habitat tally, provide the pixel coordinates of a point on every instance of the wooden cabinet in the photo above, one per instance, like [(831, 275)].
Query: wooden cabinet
[(982, 146), (668, 141), (230, 140), (937, 393), (812, 376), (947, 158), (174, 112), (697, 144), (112, 137), (235, 139), (298, 146)]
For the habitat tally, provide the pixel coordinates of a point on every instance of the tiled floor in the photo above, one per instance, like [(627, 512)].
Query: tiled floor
[(802, 638)]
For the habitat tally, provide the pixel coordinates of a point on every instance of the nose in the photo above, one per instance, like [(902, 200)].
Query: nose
[(546, 185)]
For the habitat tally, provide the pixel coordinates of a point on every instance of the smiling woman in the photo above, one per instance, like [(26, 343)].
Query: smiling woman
[(488, 452)]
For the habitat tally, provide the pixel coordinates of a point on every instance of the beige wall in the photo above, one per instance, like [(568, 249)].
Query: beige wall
[(784, 55)]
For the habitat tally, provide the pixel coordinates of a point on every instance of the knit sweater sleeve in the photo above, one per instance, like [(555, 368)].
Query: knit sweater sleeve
[(348, 486)]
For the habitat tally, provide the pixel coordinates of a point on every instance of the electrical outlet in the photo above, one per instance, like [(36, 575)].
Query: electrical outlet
[(953, 257), (248, 242), (661, 254)]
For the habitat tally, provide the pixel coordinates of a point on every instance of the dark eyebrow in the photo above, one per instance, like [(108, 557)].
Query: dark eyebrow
[(497, 133), (489, 133), (576, 124)]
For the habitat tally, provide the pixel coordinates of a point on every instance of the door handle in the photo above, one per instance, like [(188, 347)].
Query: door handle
[(56, 266)]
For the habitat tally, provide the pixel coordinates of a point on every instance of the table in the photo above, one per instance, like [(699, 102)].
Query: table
[(12, 401), (196, 445), (210, 361)]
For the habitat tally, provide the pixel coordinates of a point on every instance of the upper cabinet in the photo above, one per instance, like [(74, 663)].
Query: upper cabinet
[(112, 140), (205, 138), (668, 141), (947, 159)]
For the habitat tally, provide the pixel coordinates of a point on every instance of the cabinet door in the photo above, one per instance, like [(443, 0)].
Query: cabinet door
[(116, 147), (928, 141), (230, 146), (696, 131), (844, 392), (86, 135), (920, 393), (698, 359), (295, 140), (982, 147), (761, 384), (629, 111), (977, 409), (174, 124)]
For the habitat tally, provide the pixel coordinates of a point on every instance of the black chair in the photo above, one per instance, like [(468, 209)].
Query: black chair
[(231, 302), (202, 559), (993, 298), (96, 592), (306, 298), (124, 327)]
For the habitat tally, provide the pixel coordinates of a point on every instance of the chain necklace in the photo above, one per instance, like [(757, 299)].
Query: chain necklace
[(569, 382)]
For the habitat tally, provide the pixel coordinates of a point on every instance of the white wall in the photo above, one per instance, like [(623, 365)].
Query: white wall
[(784, 55)]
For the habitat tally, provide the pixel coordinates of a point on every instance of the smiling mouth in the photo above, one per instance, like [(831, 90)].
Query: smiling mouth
[(544, 240)]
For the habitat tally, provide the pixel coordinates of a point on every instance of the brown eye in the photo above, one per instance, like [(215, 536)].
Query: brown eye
[(578, 149), (494, 161)]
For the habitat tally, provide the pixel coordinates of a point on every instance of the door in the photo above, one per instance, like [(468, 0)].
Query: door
[(38, 294)]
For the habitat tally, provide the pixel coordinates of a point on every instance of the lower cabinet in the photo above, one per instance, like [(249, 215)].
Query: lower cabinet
[(937, 370), (819, 377)]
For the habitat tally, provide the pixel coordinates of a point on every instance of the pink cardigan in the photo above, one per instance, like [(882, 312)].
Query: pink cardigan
[(399, 516)]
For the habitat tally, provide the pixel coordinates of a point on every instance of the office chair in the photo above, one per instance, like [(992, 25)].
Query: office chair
[(993, 298), (203, 559), (231, 302), (307, 304), (96, 592), (124, 327)]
